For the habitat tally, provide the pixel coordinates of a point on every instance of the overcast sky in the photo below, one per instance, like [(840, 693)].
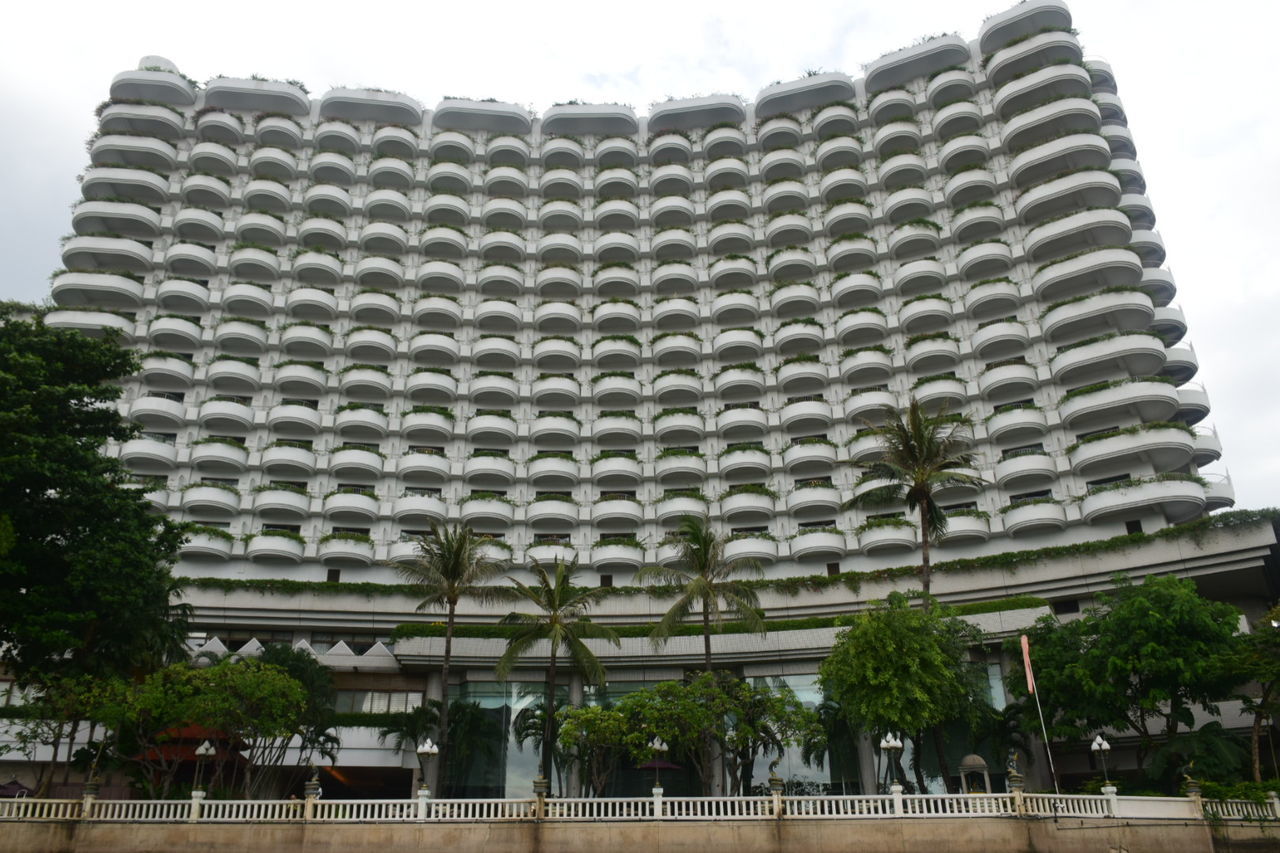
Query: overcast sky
[(1197, 81)]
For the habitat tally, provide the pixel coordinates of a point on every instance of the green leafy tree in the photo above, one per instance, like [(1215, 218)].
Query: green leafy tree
[(451, 566), (594, 736), (705, 583), (316, 729), (560, 620), (1257, 663), (411, 729), (921, 455), (1142, 661), (687, 715), (906, 670), (762, 720), (84, 579)]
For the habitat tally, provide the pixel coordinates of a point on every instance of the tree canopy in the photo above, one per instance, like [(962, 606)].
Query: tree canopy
[(84, 564), (1144, 660)]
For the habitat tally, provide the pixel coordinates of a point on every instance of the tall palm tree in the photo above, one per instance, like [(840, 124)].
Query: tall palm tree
[(561, 620), (922, 454), (705, 580), (450, 566), (412, 729)]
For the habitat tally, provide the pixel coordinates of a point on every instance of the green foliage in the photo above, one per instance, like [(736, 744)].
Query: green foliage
[(905, 670), (1144, 660), (593, 736), (84, 563)]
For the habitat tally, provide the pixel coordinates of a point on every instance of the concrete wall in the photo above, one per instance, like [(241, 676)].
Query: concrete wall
[(961, 835)]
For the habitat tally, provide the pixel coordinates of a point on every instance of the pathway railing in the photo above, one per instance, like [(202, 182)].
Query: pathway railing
[(775, 806)]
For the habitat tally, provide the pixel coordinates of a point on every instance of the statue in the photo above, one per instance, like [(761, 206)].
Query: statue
[(1011, 763)]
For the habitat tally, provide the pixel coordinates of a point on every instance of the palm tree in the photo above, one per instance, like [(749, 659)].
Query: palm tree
[(704, 578), (450, 567), (412, 729), (561, 620), (922, 454)]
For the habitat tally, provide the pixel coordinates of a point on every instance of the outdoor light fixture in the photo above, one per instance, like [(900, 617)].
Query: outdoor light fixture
[(203, 751), (1101, 748), (659, 747), (891, 744)]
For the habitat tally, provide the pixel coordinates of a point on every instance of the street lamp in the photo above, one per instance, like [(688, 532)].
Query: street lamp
[(203, 751), (425, 750), (891, 744), (659, 747), (1101, 748)]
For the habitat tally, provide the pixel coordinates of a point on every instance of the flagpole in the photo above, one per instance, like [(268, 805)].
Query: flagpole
[(1031, 687)]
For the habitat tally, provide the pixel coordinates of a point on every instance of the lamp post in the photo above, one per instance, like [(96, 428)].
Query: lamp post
[(425, 750), (892, 745), (203, 751), (1100, 748), (659, 747)]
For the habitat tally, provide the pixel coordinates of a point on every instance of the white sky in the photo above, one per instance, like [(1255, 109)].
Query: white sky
[(1197, 81)]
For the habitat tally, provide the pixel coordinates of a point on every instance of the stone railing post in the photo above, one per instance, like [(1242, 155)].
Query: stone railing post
[(1193, 794), (1109, 791), (541, 787), (311, 793), (657, 804), (896, 790), (1273, 799), (197, 803), (424, 797), (1016, 785), (90, 794)]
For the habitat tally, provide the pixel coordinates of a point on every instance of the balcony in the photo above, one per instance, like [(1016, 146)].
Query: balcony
[(1120, 310), (965, 528), (805, 416), (209, 546), (418, 509), (361, 423), (219, 455), (265, 547), (614, 558), (1017, 423), (292, 418), (159, 370), (492, 117), (213, 500), (108, 253), (819, 545), (1034, 517), (842, 185), (746, 546), (306, 340), (1091, 271), (932, 353), (1007, 381), (857, 289), (669, 509), (835, 120), (1164, 448), (1137, 353), (1179, 499), (283, 503), (693, 113), (233, 375), (1149, 401), (286, 460), (148, 454), (113, 292), (551, 511), (355, 462), (1000, 339), (150, 410), (899, 67), (845, 254), (680, 468), (626, 511), (841, 152), (555, 471), (879, 538), (968, 187), (808, 499), (744, 463), (345, 552), (419, 467), (132, 184), (1024, 470), (861, 404), (850, 217)]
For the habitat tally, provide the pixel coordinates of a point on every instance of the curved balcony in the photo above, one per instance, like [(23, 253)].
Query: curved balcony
[(735, 345), (1121, 310), (345, 552), (231, 374), (268, 548), (225, 415), (132, 184), (303, 340), (240, 336), (819, 545), (1138, 353), (390, 173), (208, 546), (148, 454), (863, 404), (925, 314), (941, 393), (293, 418), (624, 283), (418, 467), (794, 300), (842, 185), (673, 244), (172, 333), (835, 120), (732, 273), (210, 499), (150, 410), (124, 218), (813, 499), (861, 327), (749, 547), (616, 182), (968, 187), (746, 508), (351, 505), (1077, 231), (739, 382), (976, 223), (670, 509), (677, 388), (622, 510), (1095, 270), (109, 253), (1165, 448), (489, 470), (286, 460), (680, 469), (554, 354), (160, 370), (614, 558), (551, 511), (126, 151), (1220, 493), (142, 119), (985, 259), (857, 289), (1148, 400), (566, 318), (866, 366), (1178, 499), (1008, 381), (418, 509), (610, 429), (622, 391), (1082, 189), (745, 463), (887, 538), (616, 353), (553, 472), (851, 217), (1018, 423), (1000, 339), (1024, 470), (1033, 517), (301, 379), (992, 299), (933, 353), (553, 428), (281, 502), (98, 290), (205, 226), (806, 416)]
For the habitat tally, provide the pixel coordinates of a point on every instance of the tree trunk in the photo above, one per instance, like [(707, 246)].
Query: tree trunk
[(706, 637), (924, 554), (922, 787), (1255, 743), (944, 767), (71, 745), (442, 729), (548, 744)]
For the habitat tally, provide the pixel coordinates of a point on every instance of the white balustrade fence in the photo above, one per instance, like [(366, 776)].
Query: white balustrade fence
[(657, 807)]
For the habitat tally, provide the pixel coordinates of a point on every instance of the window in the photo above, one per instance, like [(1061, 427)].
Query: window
[(357, 531), (1134, 526), (333, 576), (166, 437), (825, 522), (995, 683), (833, 569), (1066, 606), (300, 401), (1014, 500), (424, 491), (1081, 436), (1102, 481), (376, 701), (221, 481), (606, 581), (964, 507), (285, 528)]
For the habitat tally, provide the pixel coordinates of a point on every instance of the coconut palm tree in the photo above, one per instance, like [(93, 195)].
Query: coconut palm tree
[(705, 581), (412, 729), (561, 620), (922, 454), (451, 566)]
